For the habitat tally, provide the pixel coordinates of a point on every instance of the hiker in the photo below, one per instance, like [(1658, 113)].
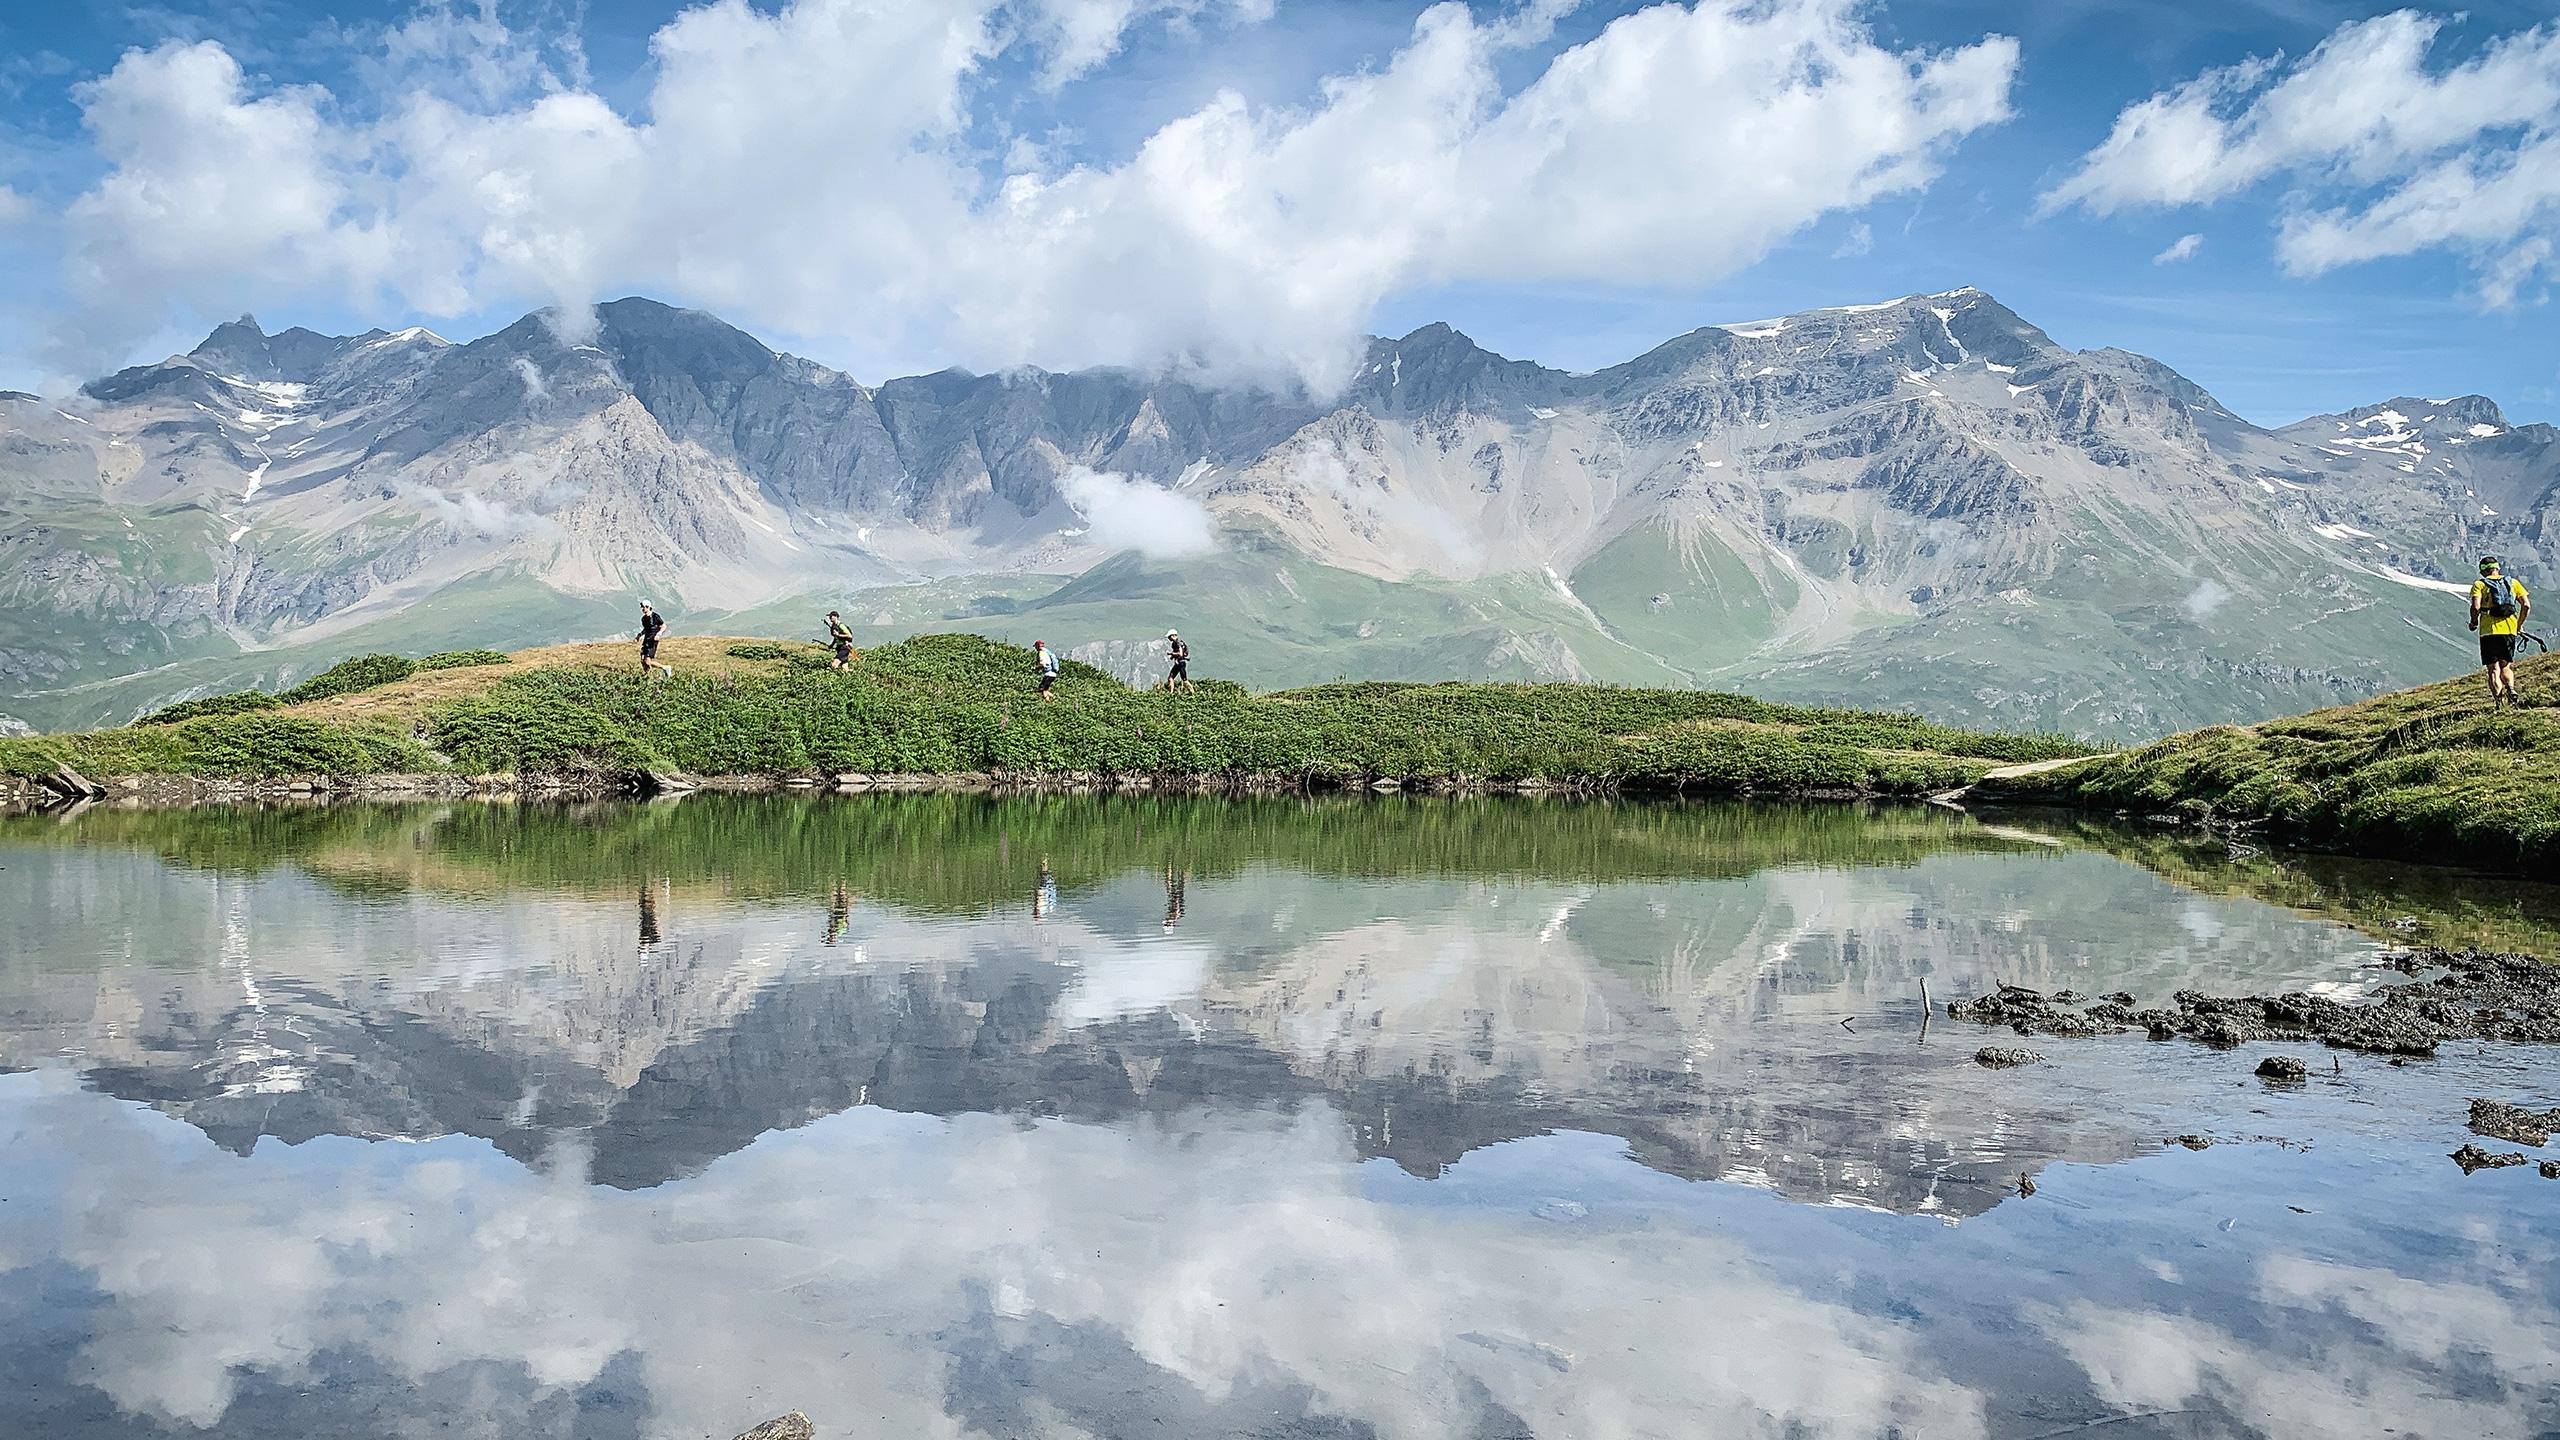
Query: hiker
[(841, 639), (2499, 607), (1047, 660), (1180, 674), (651, 622)]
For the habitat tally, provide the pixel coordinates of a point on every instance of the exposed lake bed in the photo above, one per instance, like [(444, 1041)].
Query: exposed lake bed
[(951, 1115)]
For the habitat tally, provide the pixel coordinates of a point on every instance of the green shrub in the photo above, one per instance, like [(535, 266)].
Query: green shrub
[(236, 703), (363, 672), (460, 659), (246, 744)]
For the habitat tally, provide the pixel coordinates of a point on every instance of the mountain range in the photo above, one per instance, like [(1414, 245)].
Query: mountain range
[(1926, 503)]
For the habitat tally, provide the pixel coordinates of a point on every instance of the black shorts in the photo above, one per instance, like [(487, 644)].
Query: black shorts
[(844, 649), (1047, 680), (1181, 670), (2497, 649), (649, 648)]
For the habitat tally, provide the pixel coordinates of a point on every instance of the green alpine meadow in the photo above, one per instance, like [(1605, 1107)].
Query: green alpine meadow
[(960, 704)]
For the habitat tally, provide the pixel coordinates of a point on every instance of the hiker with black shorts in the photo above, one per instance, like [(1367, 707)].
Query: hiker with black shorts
[(2499, 607), (840, 639), (1180, 674), (1046, 660), (651, 622)]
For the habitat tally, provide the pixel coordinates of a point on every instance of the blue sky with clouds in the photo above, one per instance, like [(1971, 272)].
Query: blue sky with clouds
[(2367, 206)]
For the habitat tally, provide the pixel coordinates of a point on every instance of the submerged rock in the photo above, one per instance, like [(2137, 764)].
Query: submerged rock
[(2001, 1057), (2282, 1067), (2472, 1158), (2501, 1121), (794, 1426), (2192, 1142)]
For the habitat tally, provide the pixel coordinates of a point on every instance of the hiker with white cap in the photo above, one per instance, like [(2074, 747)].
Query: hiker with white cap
[(1180, 674), (651, 622)]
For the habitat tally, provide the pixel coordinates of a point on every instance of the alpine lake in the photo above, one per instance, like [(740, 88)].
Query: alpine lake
[(935, 1115)]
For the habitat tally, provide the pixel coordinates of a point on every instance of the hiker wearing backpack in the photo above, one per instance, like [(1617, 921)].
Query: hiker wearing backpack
[(2499, 607), (1044, 664), (1179, 676), (840, 640)]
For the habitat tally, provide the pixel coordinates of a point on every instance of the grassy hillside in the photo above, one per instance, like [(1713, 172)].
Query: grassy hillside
[(2428, 773), (960, 703)]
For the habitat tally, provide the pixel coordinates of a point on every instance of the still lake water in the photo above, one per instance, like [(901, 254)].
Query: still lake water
[(959, 1116)]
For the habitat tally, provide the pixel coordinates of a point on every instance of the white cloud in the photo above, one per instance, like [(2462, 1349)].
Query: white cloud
[(811, 171), (14, 207), (1860, 240), (2381, 155), (2181, 249), (2207, 597), (536, 390), (1121, 513)]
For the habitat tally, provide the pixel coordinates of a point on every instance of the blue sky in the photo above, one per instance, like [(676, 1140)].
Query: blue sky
[(737, 162)]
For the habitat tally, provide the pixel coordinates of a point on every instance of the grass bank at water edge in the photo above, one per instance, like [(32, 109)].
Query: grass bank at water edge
[(2430, 773), (948, 704)]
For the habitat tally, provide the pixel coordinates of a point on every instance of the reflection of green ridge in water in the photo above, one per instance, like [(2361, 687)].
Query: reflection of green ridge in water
[(957, 853), (2391, 899)]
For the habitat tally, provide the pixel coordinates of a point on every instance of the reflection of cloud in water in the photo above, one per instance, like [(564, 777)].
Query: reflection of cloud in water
[(892, 1274), (2370, 1352), (1115, 981)]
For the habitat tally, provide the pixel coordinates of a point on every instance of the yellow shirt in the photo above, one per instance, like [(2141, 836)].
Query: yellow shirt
[(2490, 624)]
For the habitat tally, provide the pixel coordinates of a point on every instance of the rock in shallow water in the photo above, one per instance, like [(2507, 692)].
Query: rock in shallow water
[(2472, 1158), (2501, 1121), (794, 1426), (2282, 1067), (2481, 996), (2001, 1057)]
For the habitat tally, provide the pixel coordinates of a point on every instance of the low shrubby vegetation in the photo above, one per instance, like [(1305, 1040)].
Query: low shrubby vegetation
[(462, 659), (959, 703), (2429, 773), (232, 704), (361, 672)]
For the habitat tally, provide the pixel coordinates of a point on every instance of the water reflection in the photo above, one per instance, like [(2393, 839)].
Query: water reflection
[(940, 1116)]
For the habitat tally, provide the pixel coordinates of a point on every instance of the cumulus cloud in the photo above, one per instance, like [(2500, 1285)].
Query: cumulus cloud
[(2207, 597), (2383, 156), (2181, 249), (472, 513), (814, 170), (1860, 240), (1123, 513), (14, 207)]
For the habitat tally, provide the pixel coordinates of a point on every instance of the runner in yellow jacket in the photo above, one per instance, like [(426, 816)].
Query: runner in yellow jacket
[(2499, 606)]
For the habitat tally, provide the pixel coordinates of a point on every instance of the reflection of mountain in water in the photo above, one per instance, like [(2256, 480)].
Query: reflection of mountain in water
[(669, 1022)]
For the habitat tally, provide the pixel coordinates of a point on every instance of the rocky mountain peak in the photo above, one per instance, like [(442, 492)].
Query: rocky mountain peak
[(1438, 368)]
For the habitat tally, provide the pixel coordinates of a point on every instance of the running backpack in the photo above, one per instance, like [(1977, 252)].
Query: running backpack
[(2502, 597)]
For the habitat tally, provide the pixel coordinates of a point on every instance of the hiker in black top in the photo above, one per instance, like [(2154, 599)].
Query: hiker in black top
[(840, 638), (1180, 674), (651, 622)]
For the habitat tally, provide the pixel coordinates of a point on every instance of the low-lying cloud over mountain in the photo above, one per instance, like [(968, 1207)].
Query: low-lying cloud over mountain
[(1924, 502)]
